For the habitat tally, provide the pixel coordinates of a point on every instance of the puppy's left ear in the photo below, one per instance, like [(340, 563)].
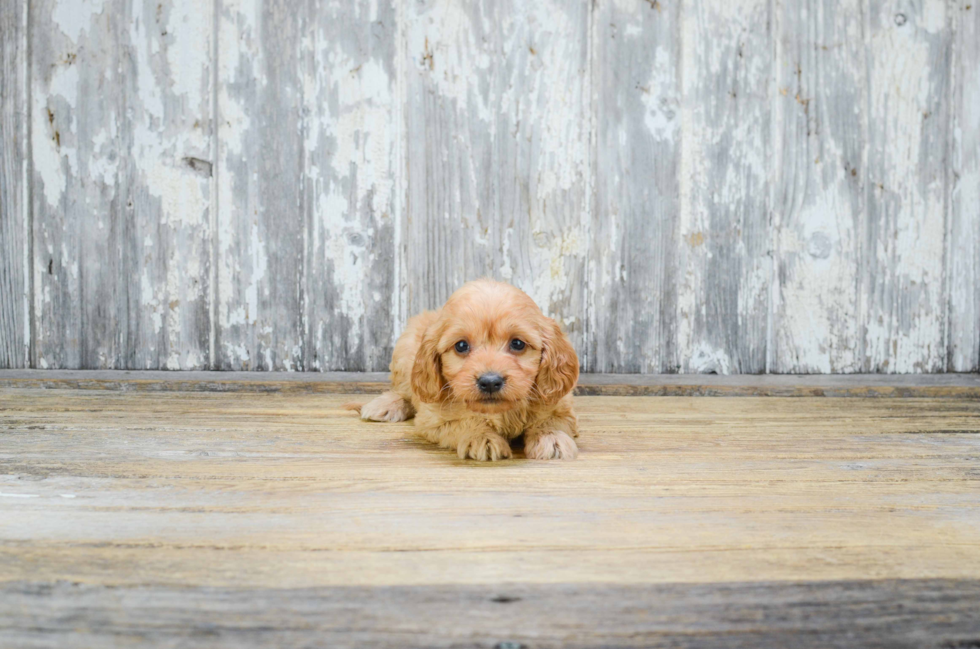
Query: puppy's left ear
[(558, 371)]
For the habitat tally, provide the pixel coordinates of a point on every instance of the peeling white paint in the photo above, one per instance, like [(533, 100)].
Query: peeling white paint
[(260, 262), (73, 18), (443, 45), (659, 96), (502, 136)]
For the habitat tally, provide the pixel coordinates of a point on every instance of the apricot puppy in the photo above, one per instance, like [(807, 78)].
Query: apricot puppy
[(486, 368)]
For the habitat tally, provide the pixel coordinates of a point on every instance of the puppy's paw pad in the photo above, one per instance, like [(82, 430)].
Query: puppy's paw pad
[(485, 448), (550, 446), (387, 407)]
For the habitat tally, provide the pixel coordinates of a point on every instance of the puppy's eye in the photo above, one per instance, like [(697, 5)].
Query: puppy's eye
[(462, 347), (517, 345)]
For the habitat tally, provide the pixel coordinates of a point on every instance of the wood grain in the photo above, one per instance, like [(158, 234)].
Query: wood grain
[(723, 262), (902, 260), (121, 185), (14, 216), (155, 514), (787, 187), (906, 386), (963, 239), (264, 199), (633, 269), (497, 148), (819, 206), (350, 129), (866, 164), (889, 613)]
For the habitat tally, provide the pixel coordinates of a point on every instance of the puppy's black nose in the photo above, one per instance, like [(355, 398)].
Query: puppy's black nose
[(490, 383)]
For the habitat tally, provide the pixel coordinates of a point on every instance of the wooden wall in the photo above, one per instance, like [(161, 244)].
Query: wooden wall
[(697, 186)]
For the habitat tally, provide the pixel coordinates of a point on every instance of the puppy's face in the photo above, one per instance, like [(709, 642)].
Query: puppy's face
[(492, 349)]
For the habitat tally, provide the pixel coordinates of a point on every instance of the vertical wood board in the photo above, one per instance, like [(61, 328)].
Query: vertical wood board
[(723, 266), (820, 177), (121, 184), (859, 205), (307, 192), (350, 137), (902, 290), (14, 217), (963, 244), (263, 198), (633, 262), (497, 148)]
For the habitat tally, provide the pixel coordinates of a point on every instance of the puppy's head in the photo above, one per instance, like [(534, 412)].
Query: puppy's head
[(492, 349)]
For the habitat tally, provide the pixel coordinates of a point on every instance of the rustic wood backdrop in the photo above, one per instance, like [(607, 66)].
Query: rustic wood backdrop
[(696, 186)]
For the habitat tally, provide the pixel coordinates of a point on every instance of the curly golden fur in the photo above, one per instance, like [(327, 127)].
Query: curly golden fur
[(441, 356)]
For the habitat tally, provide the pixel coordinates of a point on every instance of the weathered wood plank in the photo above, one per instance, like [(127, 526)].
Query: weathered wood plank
[(633, 258), (374, 156), (903, 307), (290, 491), (264, 201), (121, 101), (241, 519), (820, 175), (449, 113), (949, 386), (350, 130), (497, 149), (723, 263), (256, 520), (14, 215), (862, 126), (963, 263), (917, 613)]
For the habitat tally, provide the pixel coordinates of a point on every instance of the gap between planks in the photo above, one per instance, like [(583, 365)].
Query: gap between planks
[(954, 386)]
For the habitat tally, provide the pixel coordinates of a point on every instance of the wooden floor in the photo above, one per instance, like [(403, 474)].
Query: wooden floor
[(239, 519)]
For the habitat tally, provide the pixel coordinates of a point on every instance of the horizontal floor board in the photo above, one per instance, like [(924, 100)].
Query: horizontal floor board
[(805, 385), (192, 518), (918, 614)]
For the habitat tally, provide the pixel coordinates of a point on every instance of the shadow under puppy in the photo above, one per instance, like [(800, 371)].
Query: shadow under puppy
[(486, 368)]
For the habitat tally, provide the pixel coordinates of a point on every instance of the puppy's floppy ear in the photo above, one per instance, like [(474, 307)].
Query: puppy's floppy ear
[(558, 371), (427, 381)]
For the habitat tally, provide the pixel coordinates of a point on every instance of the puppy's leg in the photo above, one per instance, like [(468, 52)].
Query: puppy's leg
[(551, 439), (387, 407), (469, 439), (484, 446)]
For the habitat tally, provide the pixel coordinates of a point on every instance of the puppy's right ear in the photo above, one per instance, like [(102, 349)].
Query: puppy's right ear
[(427, 381)]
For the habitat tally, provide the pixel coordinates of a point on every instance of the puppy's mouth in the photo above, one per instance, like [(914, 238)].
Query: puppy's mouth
[(490, 404)]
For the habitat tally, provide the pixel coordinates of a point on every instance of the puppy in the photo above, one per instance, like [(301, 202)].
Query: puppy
[(483, 370)]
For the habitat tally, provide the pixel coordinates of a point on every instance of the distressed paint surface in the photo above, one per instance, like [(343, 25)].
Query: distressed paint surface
[(963, 245), (120, 148), (351, 133), (902, 291), (860, 205), (262, 201), (497, 149), (305, 256), (632, 267), (786, 186), (14, 222), (723, 262), (820, 179)]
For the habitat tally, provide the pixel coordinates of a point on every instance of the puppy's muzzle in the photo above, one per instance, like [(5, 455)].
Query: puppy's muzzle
[(490, 383)]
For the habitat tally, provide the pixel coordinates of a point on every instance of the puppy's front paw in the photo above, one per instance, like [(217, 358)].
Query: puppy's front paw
[(387, 407), (554, 445), (484, 447)]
